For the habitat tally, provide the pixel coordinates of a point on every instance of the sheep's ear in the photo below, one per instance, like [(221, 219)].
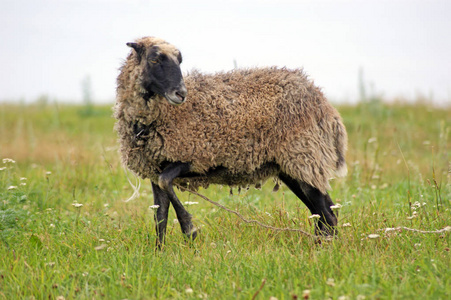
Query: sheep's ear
[(179, 57), (139, 49)]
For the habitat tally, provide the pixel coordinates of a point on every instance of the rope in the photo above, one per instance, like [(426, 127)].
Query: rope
[(250, 221), (247, 220), (446, 229)]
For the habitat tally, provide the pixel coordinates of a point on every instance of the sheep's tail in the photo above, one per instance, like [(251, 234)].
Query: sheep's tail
[(135, 186), (341, 146)]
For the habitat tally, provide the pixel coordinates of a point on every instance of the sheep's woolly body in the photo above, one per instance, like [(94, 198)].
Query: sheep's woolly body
[(240, 127)]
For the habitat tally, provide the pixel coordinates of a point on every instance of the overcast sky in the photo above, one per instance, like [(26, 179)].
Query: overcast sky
[(403, 47)]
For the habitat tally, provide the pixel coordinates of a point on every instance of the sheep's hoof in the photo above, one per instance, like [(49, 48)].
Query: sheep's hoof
[(326, 231), (159, 245), (192, 234), (325, 234)]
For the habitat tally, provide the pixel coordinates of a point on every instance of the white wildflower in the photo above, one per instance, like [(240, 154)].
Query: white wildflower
[(372, 140), (23, 183), (272, 298), (411, 217), (336, 206), (360, 297), (8, 160), (2, 168), (48, 173), (22, 179), (52, 225), (346, 225), (268, 213), (153, 207), (189, 290), (330, 282), (190, 203), (343, 298), (418, 204), (373, 236), (77, 205), (102, 246), (384, 186), (12, 187), (314, 216)]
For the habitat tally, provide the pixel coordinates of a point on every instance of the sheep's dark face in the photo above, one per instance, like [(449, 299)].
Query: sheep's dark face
[(161, 72)]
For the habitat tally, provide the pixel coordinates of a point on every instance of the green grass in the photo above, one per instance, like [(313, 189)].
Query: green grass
[(398, 155)]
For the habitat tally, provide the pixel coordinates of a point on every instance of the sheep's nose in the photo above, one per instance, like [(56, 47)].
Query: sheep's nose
[(178, 95), (182, 92)]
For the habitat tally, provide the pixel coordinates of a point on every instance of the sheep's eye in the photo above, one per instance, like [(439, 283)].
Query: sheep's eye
[(154, 61)]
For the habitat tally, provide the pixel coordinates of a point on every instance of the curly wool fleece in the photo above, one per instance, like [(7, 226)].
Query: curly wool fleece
[(252, 123)]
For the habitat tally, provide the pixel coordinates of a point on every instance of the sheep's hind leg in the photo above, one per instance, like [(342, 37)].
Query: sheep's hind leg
[(165, 180), (317, 202), (161, 199)]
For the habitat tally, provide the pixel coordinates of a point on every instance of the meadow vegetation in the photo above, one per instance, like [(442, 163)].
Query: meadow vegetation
[(66, 233)]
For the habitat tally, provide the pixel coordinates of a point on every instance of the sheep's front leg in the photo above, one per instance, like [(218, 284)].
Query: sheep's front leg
[(165, 180), (161, 199), (317, 202)]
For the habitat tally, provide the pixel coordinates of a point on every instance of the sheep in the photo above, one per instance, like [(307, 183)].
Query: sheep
[(233, 128)]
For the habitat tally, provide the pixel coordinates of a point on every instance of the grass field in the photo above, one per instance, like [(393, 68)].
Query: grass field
[(65, 231)]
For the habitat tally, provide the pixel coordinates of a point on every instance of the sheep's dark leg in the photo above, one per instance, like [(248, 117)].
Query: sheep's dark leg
[(295, 187), (161, 199), (165, 180), (317, 202)]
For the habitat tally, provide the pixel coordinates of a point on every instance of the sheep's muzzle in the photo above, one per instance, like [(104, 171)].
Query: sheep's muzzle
[(178, 96)]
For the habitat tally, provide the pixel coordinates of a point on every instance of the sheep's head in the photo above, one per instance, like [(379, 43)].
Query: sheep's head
[(160, 70)]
